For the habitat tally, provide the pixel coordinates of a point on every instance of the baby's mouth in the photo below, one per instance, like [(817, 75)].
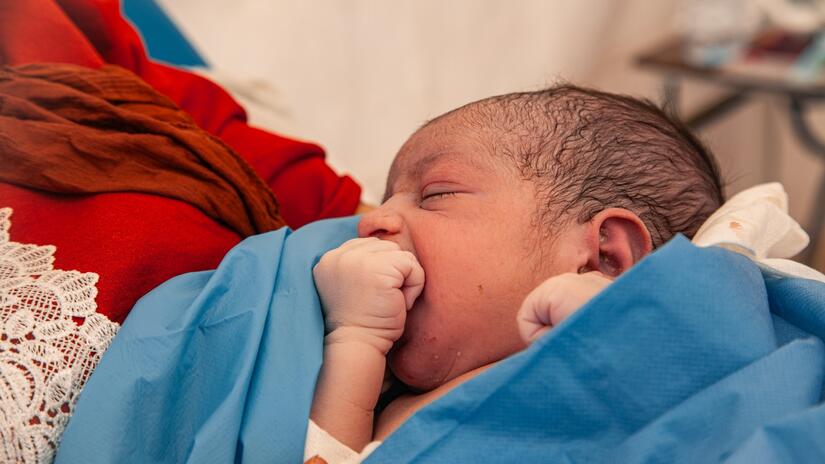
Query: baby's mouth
[(399, 344), (405, 338)]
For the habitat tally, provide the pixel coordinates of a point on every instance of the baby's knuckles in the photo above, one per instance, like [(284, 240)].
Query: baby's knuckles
[(359, 288)]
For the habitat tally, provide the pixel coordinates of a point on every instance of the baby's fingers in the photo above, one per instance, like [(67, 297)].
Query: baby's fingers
[(412, 274), (533, 317), (555, 300), (413, 281)]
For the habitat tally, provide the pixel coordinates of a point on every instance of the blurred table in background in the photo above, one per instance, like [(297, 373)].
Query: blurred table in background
[(743, 78)]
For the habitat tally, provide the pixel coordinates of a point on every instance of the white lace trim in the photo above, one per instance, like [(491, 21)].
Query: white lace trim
[(51, 339)]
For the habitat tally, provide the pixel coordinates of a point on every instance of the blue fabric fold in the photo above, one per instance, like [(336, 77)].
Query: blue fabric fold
[(694, 355), (679, 360), (216, 366)]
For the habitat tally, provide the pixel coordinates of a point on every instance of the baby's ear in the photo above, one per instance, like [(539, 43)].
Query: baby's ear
[(623, 240)]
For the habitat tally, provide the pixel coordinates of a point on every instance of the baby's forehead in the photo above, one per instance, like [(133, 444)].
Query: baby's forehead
[(458, 155), (415, 164), (444, 141), (411, 166)]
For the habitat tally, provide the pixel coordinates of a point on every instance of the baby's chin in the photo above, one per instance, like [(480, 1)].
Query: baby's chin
[(417, 371), (425, 364)]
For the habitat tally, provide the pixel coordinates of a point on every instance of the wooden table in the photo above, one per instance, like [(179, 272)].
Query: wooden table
[(743, 80)]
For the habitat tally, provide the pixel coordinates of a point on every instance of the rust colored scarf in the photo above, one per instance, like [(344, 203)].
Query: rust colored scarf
[(74, 130)]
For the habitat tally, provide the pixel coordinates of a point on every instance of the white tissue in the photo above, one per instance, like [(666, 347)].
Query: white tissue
[(755, 223)]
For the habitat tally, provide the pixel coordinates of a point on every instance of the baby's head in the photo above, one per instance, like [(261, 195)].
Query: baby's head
[(499, 195)]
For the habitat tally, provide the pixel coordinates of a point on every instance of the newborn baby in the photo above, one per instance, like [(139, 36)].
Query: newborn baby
[(549, 193)]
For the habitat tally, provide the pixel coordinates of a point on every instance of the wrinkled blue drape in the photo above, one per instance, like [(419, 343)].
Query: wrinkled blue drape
[(216, 366), (694, 355)]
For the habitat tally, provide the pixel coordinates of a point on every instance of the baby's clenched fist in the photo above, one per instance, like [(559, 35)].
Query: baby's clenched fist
[(554, 300), (366, 286)]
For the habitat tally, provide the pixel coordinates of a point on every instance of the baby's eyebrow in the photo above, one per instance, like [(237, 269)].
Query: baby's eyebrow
[(417, 170)]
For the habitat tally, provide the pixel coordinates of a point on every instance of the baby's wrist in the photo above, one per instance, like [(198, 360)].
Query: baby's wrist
[(357, 368), (365, 338)]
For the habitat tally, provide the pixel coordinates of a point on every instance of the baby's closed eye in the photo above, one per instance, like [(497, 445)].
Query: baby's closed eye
[(437, 195), (439, 190)]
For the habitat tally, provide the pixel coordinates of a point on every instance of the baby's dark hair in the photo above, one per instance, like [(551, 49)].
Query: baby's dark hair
[(588, 150)]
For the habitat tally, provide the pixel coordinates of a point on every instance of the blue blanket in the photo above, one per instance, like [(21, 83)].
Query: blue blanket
[(694, 355)]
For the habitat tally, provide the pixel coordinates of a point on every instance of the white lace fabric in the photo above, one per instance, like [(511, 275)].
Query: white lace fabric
[(51, 339)]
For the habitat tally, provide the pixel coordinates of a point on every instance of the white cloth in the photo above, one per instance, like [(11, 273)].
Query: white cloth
[(320, 443), (755, 223), (51, 339)]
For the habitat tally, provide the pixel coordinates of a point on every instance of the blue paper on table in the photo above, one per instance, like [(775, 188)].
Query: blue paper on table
[(694, 355)]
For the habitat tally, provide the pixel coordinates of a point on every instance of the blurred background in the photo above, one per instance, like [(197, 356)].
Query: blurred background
[(359, 76)]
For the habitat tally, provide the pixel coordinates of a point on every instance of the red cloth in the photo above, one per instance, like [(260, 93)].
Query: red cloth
[(70, 129), (135, 241), (91, 32)]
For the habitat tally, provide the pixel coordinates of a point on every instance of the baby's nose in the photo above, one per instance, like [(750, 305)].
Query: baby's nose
[(379, 223)]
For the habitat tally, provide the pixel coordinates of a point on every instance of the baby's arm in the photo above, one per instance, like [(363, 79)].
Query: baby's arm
[(554, 300), (366, 287)]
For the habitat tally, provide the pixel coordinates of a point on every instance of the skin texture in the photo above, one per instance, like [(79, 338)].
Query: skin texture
[(469, 220)]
